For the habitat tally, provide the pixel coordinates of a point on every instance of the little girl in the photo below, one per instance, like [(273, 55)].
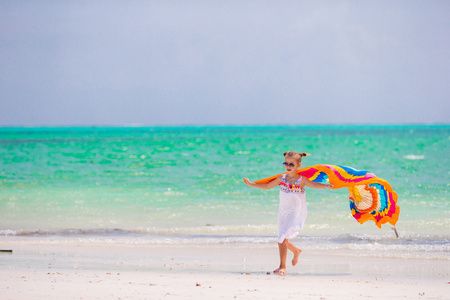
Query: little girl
[(292, 208)]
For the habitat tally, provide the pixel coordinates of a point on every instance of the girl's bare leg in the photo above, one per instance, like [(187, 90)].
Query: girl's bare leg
[(294, 250), (282, 247)]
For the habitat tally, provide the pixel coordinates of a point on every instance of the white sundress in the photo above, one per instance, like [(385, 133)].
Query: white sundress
[(292, 209)]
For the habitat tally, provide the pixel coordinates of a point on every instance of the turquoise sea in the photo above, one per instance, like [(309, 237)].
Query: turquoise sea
[(174, 186)]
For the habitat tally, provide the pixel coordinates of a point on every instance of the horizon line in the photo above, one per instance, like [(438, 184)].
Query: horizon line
[(131, 125)]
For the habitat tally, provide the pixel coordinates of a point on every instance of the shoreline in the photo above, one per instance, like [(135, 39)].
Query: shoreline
[(99, 272)]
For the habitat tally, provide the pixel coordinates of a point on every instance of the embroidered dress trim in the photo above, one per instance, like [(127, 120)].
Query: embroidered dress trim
[(291, 187)]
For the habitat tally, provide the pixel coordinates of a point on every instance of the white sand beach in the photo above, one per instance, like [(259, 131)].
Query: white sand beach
[(118, 272)]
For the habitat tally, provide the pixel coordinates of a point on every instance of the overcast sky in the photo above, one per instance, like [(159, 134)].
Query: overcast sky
[(224, 62)]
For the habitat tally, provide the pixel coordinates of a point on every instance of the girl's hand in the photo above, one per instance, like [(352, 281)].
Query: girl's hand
[(263, 186), (247, 181), (316, 185)]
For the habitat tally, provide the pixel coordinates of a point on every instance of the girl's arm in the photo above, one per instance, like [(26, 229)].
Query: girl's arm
[(315, 185), (263, 186)]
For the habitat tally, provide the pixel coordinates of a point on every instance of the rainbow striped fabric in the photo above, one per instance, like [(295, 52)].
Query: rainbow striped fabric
[(371, 197)]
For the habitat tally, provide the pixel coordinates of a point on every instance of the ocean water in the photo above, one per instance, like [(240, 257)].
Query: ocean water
[(183, 186)]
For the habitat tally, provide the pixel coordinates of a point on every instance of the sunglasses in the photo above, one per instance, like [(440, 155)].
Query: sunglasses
[(288, 165)]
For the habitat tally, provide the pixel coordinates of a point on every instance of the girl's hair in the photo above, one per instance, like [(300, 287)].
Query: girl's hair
[(296, 155)]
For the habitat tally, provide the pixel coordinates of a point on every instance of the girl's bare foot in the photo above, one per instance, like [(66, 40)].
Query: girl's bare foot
[(280, 271), (296, 255)]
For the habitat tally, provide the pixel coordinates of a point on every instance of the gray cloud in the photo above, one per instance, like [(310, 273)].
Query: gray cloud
[(215, 62)]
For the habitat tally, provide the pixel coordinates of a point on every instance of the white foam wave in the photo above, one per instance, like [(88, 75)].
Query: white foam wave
[(370, 245), (414, 157), (225, 230)]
